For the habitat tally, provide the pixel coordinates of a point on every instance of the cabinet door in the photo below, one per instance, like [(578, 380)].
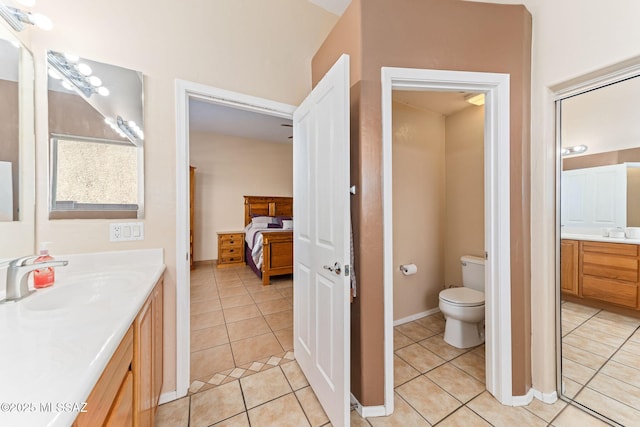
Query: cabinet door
[(569, 266), (158, 331), (144, 367), (121, 414)]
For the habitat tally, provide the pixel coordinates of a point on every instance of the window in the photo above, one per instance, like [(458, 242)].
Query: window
[(94, 178)]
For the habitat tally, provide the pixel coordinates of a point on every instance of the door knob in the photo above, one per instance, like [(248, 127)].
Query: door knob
[(337, 268)]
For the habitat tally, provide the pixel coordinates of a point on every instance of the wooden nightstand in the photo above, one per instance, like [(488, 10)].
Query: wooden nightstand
[(230, 248)]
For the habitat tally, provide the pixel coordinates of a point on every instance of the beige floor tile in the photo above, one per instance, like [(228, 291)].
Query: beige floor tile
[(456, 382), (236, 301), (235, 314), (198, 307), (210, 361), (208, 337), (622, 372), (400, 340), (579, 373), (627, 358), (589, 345), (174, 414), (311, 407), (402, 371), (608, 407), (500, 415), (206, 320), (280, 320), (240, 420), (294, 375), (464, 417), (616, 389), (357, 421), (282, 412), (287, 293), (216, 404), (480, 351), (631, 347), (274, 306), (574, 417), (266, 293), (247, 328), (582, 357), (264, 386), (574, 317), (285, 338), (419, 357), (428, 399), (472, 364), (592, 332), (203, 293), (435, 322), (229, 283), (546, 411), (611, 327), (584, 310), (571, 388), (568, 327), (438, 346), (255, 348), (403, 415), (233, 291), (618, 319), (414, 331)]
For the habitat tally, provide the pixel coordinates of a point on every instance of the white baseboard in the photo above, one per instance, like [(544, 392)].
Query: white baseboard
[(368, 411), (416, 316), (545, 397), (168, 397), (523, 400)]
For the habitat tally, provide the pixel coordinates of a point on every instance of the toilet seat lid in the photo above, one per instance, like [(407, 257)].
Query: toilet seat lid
[(465, 297)]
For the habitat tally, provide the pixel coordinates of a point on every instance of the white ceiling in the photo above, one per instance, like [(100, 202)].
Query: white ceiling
[(444, 103)]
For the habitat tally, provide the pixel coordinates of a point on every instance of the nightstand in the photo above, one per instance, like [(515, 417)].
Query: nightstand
[(230, 248)]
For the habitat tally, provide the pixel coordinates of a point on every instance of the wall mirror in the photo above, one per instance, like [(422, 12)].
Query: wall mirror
[(97, 139), (17, 160), (599, 229)]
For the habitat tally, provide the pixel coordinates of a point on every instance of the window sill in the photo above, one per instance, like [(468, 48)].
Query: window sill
[(90, 214)]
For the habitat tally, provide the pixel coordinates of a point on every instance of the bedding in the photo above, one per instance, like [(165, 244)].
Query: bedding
[(253, 239)]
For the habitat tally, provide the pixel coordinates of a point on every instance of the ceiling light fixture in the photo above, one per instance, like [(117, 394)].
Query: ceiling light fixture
[(475, 98), (577, 149), (79, 75), (16, 18)]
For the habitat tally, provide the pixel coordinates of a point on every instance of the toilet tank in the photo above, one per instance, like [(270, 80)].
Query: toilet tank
[(472, 272)]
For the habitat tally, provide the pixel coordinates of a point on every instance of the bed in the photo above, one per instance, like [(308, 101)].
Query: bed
[(276, 251)]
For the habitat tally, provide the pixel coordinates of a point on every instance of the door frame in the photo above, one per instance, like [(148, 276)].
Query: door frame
[(495, 86), (186, 90)]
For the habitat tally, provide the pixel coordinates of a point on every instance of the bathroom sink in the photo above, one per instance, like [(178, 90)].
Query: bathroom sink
[(79, 291)]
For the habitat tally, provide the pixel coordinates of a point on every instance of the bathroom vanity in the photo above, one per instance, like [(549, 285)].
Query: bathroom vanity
[(601, 272), (87, 351)]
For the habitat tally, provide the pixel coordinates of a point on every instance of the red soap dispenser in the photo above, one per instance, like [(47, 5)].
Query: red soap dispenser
[(44, 277)]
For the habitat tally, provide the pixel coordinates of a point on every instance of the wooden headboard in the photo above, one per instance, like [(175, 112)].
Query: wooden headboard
[(266, 206)]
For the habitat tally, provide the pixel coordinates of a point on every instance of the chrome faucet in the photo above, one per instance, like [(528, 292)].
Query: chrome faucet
[(18, 272)]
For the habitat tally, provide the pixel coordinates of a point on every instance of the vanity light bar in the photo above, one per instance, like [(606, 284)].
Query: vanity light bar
[(77, 75), (577, 149), (9, 15), (16, 18)]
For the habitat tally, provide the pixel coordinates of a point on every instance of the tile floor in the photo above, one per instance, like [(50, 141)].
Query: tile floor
[(600, 363), (259, 384)]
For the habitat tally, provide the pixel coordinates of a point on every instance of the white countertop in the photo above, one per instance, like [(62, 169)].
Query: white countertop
[(57, 355), (598, 238)]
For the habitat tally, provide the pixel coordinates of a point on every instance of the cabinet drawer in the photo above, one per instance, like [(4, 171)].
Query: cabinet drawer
[(232, 259), (610, 266), (230, 252), (624, 294), (610, 248), (230, 240)]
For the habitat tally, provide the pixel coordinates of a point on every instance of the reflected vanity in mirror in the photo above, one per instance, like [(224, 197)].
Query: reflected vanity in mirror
[(599, 231), (97, 139), (17, 145)]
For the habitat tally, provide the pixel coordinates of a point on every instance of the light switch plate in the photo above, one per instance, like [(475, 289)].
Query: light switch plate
[(126, 231)]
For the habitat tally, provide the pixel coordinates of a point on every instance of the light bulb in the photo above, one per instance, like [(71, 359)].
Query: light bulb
[(95, 81), (84, 69), (103, 91), (67, 85), (54, 74), (41, 21), (71, 58)]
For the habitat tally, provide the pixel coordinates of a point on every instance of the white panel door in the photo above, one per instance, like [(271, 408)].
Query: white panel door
[(321, 241)]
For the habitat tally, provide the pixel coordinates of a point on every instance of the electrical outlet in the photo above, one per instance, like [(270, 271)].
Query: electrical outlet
[(126, 231)]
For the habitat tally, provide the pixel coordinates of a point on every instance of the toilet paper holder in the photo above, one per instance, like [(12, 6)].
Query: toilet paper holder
[(408, 269)]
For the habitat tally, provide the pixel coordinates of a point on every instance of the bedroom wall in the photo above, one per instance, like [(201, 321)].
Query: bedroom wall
[(229, 168), (464, 150), (418, 152)]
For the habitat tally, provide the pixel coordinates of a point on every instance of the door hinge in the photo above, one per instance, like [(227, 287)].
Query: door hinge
[(346, 270), (352, 189)]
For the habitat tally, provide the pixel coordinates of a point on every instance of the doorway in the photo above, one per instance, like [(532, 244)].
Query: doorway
[(497, 229)]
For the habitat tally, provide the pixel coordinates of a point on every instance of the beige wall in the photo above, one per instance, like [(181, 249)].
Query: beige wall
[(228, 168), (464, 233), (9, 148), (418, 208), (259, 48)]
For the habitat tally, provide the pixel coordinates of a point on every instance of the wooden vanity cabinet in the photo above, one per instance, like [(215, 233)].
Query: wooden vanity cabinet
[(128, 390), (569, 266)]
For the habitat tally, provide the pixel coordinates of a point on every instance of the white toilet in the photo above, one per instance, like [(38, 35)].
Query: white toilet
[(463, 308)]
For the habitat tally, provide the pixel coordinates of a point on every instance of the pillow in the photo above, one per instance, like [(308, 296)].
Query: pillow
[(263, 220), (287, 224), (279, 219)]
